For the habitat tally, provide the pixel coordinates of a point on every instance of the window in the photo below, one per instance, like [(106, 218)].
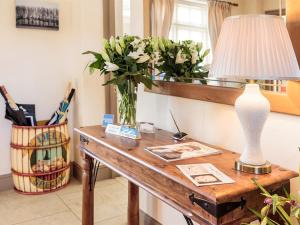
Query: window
[(190, 22)]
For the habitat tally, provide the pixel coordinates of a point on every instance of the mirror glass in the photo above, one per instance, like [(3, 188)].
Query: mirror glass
[(190, 22)]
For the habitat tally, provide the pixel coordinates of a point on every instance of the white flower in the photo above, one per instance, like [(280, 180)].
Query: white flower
[(138, 44), (154, 43), (105, 56), (118, 49), (161, 45), (199, 45), (167, 43), (206, 67), (155, 56), (112, 42), (192, 46), (142, 45), (110, 67), (206, 53), (180, 58), (122, 43), (194, 56), (106, 43), (137, 54), (143, 58), (135, 42)]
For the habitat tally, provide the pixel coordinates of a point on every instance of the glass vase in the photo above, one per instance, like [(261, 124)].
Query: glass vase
[(127, 104)]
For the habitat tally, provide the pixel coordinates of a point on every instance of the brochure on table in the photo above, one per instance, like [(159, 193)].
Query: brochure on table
[(204, 174), (182, 151)]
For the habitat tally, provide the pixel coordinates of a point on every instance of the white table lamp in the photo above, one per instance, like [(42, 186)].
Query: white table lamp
[(256, 47)]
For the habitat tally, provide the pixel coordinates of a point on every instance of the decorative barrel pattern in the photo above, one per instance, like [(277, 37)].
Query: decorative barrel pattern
[(40, 158)]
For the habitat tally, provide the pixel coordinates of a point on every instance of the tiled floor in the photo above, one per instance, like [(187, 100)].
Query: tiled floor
[(64, 207)]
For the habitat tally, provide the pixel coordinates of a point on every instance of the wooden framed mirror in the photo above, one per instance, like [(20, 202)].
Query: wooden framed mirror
[(287, 101)]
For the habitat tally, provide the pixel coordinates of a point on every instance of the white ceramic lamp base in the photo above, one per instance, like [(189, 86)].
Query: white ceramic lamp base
[(252, 109)]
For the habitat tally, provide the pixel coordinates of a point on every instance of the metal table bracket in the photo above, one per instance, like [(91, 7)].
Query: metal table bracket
[(217, 210), (188, 220), (93, 163)]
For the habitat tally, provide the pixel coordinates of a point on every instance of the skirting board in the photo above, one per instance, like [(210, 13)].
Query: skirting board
[(104, 172), (6, 182)]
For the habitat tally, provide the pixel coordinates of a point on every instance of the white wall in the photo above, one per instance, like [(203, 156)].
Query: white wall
[(218, 125), (215, 124), (35, 65)]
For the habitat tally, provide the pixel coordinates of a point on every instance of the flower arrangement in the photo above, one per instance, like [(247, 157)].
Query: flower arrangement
[(181, 60), (131, 59), (274, 205), (127, 58)]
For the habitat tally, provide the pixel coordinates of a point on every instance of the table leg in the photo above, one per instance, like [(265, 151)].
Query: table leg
[(133, 204), (87, 191)]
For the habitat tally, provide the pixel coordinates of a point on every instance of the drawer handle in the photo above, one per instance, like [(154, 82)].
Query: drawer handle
[(217, 210)]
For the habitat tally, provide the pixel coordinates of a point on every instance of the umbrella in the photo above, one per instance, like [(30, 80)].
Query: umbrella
[(13, 112), (61, 113), (16, 116)]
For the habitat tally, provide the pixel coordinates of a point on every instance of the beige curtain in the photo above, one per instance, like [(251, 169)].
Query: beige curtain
[(162, 17), (217, 12)]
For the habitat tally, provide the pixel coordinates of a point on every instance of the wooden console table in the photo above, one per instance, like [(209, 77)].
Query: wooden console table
[(216, 204)]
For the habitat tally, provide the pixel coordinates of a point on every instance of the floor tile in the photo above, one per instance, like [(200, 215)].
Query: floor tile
[(66, 218), (144, 219), (106, 183), (64, 207), (116, 193), (122, 180), (73, 186), (110, 200), (16, 208), (119, 220), (104, 208)]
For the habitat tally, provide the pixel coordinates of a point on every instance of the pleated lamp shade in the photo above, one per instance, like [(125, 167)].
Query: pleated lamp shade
[(254, 47)]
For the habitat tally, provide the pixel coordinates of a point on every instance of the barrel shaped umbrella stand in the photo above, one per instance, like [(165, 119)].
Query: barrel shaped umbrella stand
[(40, 158)]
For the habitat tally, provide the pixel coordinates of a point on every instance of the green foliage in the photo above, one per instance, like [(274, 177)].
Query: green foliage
[(274, 205), (116, 58), (182, 60), (127, 58), (130, 61)]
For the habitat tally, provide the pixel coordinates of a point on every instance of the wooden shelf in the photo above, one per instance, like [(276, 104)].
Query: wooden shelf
[(207, 93), (287, 103)]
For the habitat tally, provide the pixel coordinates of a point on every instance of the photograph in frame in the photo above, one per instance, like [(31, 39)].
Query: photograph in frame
[(39, 14)]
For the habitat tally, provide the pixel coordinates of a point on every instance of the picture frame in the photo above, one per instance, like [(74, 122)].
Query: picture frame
[(38, 14)]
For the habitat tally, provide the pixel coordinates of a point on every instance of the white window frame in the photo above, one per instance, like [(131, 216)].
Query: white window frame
[(176, 24)]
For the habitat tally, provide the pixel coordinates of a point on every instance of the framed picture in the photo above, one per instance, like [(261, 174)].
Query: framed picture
[(40, 14)]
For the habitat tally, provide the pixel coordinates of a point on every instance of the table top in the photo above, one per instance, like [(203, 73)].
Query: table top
[(135, 150)]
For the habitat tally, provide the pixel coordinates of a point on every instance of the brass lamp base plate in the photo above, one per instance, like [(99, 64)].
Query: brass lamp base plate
[(247, 168)]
